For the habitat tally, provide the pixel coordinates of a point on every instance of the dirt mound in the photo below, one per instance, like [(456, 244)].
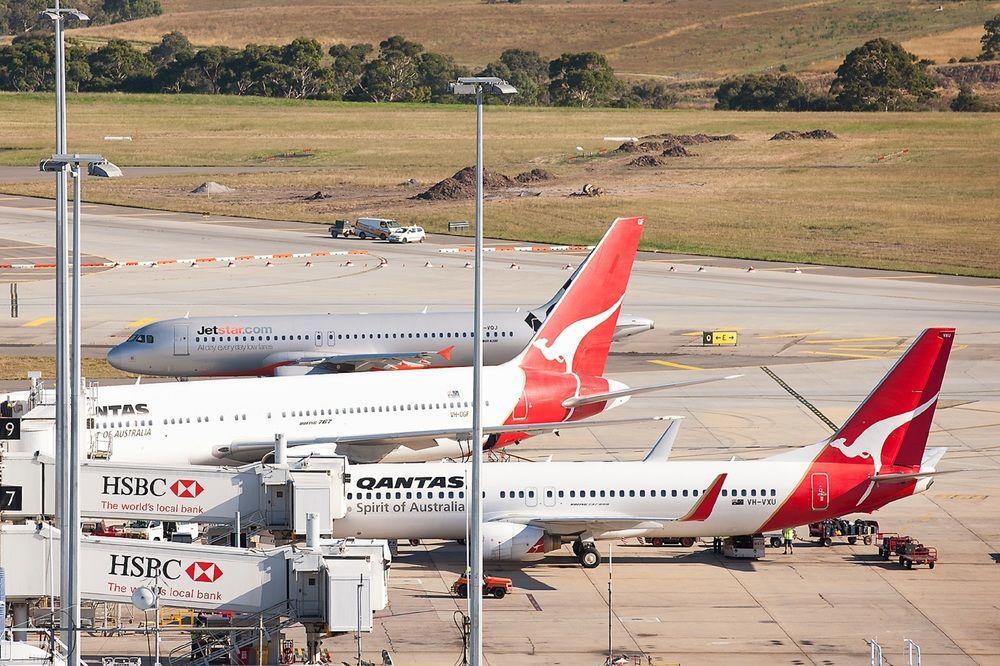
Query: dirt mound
[(627, 147), (676, 150), (462, 185), (211, 187), (792, 135), (317, 196), (645, 161), (686, 139), (534, 176)]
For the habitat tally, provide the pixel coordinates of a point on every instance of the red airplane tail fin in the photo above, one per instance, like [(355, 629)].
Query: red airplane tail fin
[(892, 424), (576, 334)]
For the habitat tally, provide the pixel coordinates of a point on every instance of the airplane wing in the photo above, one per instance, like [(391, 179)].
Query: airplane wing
[(464, 434), (375, 361), (569, 524), (576, 401), (461, 434)]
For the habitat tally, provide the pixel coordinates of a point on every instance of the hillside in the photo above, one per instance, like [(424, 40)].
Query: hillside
[(681, 38)]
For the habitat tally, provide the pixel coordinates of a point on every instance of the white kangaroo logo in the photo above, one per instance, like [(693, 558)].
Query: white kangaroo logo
[(564, 347), (870, 442)]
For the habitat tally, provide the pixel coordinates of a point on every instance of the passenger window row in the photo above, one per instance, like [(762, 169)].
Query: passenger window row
[(423, 406), (340, 336)]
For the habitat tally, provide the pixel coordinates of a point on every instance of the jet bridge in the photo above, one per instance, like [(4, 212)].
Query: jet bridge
[(331, 586), (276, 497)]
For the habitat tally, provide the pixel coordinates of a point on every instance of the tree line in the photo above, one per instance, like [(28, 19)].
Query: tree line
[(880, 75), (398, 70)]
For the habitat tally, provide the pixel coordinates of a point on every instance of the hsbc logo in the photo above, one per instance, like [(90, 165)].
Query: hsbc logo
[(203, 572), (138, 566), (186, 488), (140, 486)]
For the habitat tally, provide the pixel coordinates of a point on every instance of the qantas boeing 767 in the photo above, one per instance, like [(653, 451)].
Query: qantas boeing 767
[(555, 382), (877, 456)]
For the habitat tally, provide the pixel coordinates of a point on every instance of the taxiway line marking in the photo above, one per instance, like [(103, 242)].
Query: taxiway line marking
[(836, 340), (679, 366), (38, 322), (864, 356), (873, 350), (140, 322), (788, 335), (901, 277)]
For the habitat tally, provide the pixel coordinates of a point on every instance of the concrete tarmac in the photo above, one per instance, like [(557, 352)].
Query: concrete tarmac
[(829, 333)]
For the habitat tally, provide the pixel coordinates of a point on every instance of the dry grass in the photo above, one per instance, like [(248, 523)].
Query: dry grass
[(17, 367), (940, 47), (917, 191), (685, 38)]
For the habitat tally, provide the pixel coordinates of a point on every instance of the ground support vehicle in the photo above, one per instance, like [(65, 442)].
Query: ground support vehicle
[(917, 553), (826, 530), (341, 229), (892, 544), (374, 227), (492, 586), (744, 547)]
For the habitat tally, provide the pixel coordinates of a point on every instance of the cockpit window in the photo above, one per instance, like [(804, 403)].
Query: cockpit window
[(142, 338)]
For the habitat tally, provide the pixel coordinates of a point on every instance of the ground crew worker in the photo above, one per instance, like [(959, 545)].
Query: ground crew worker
[(787, 534), (7, 408)]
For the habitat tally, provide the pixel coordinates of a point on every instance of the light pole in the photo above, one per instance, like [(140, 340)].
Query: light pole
[(480, 86), (69, 516), (66, 583)]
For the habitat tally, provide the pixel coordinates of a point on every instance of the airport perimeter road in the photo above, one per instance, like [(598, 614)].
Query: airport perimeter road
[(821, 313)]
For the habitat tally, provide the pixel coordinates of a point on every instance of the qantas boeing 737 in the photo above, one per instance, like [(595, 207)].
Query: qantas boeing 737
[(555, 382), (876, 457)]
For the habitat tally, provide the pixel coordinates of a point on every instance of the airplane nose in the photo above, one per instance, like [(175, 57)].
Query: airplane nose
[(118, 357)]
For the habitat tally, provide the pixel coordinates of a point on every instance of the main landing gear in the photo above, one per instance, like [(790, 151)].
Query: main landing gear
[(587, 554)]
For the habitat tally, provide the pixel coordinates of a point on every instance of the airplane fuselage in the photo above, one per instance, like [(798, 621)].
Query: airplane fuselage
[(234, 420), (268, 345), (429, 501)]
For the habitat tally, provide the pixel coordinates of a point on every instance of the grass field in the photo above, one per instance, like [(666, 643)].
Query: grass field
[(684, 38), (914, 191), (17, 367)]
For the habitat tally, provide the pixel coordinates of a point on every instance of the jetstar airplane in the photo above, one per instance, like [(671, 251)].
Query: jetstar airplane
[(284, 345), (877, 456), (554, 383)]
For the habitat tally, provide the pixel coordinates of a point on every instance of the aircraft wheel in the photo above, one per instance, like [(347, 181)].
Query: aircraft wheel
[(576, 547), (589, 557)]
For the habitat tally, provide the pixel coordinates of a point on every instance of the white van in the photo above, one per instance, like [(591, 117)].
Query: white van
[(375, 227)]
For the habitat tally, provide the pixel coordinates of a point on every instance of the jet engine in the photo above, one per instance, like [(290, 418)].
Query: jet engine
[(511, 541)]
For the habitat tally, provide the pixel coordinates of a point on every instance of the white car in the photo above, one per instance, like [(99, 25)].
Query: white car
[(407, 235)]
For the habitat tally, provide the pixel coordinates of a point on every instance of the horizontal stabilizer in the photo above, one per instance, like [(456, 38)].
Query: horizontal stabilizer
[(911, 476), (577, 401)]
